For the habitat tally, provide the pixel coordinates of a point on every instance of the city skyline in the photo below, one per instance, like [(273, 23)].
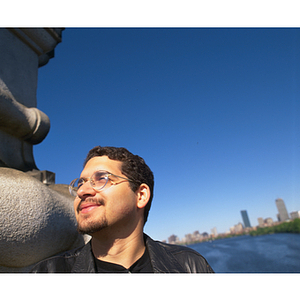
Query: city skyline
[(237, 228)]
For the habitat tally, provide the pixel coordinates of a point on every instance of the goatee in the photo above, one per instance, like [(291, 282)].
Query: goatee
[(91, 227)]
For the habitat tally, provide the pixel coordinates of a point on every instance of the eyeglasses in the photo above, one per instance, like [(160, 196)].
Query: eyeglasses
[(97, 181)]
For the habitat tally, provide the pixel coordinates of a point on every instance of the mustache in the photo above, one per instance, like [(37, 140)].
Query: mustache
[(89, 200)]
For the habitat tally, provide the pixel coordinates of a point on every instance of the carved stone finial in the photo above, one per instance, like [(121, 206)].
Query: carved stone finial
[(22, 125)]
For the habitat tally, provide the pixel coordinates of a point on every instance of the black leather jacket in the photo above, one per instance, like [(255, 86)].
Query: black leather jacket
[(164, 258)]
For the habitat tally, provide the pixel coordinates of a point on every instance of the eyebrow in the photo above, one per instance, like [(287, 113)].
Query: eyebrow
[(103, 171)]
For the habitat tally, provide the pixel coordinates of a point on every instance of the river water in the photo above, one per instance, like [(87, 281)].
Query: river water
[(273, 253)]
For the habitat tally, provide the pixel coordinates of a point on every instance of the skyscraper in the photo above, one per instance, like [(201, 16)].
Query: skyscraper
[(282, 212), (245, 218)]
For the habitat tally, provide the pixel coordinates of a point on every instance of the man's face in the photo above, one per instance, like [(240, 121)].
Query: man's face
[(114, 207)]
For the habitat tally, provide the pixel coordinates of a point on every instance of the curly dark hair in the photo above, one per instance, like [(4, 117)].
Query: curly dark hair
[(133, 166)]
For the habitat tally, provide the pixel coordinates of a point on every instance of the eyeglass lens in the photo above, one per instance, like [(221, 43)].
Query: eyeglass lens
[(98, 180)]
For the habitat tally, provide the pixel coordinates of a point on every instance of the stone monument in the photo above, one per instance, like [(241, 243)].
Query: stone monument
[(36, 215)]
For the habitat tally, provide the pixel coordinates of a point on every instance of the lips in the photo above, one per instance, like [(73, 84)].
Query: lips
[(87, 207)]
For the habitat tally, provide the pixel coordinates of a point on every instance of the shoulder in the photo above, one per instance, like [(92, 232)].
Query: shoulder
[(178, 250), (60, 263), (190, 260)]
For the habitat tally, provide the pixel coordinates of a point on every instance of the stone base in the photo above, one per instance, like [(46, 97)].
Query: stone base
[(36, 221)]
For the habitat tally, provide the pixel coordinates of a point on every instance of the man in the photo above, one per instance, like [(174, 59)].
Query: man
[(113, 199)]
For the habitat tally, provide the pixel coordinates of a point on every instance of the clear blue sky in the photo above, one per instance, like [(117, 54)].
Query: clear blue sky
[(214, 112)]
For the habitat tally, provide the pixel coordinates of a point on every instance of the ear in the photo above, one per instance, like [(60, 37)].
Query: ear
[(143, 194)]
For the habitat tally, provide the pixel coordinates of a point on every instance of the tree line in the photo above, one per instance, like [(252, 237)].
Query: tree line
[(286, 227)]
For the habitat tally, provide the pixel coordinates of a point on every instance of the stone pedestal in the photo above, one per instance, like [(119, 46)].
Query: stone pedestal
[(36, 217)]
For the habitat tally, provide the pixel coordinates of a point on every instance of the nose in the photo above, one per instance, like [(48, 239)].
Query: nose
[(85, 190)]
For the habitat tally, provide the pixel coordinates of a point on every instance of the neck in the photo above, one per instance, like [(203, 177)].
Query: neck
[(122, 250)]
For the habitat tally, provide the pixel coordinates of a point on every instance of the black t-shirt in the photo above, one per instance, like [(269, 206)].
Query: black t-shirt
[(142, 265)]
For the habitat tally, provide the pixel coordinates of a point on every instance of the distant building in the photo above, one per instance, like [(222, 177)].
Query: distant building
[(295, 215), (214, 232), (173, 239), (245, 218), (188, 238), (260, 222), (197, 236), (205, 235), (238, 228), (269, 221), (282, 211)]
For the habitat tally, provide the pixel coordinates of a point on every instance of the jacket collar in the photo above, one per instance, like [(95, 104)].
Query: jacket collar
[(84, 263), (161, 260)]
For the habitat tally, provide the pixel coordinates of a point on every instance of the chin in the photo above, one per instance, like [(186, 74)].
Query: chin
[(91, 227)]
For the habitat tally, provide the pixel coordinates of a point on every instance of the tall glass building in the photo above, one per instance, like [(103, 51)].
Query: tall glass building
[(282, 211), (245, 218)]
